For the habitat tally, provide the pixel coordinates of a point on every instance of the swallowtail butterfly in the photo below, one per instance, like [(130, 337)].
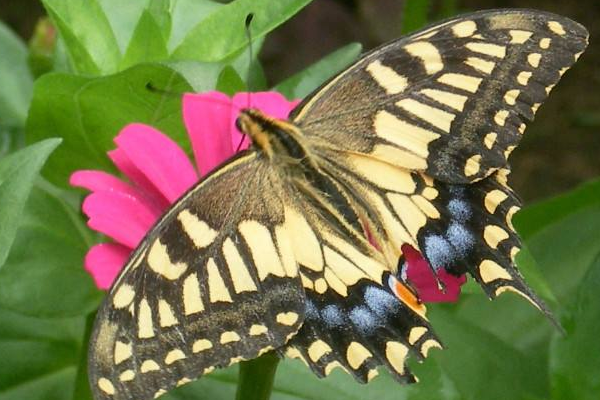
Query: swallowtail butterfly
[(269, 251)]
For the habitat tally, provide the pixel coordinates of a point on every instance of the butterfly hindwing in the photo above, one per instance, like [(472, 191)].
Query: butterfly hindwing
[(451, 100), (214, 282)]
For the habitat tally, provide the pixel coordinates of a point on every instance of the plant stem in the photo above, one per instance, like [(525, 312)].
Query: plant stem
[(256, 377)]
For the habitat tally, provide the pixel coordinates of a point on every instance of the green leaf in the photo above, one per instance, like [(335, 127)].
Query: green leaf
[(303, 83), (222, 33), (15, 79), (89, 112), (18, 172), (415, 15), (39, 357), (229, 81), (88, 36), (185, 15), (147, 43), (122, 16), (574, 361), (533, 275), (43, 275)]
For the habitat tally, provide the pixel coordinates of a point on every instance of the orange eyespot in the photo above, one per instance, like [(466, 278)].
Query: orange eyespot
[(407, 296)]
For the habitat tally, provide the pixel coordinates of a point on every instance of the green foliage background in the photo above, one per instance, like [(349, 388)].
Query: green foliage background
[(93, 82)]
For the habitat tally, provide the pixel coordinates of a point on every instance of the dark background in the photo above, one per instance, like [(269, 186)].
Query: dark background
[(561, 148)]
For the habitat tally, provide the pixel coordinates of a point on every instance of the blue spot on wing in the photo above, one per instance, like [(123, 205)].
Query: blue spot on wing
[(364, 319), (459, 210), (439, 251), (380, 301), (460, 237), (310, 310), (332, 316)]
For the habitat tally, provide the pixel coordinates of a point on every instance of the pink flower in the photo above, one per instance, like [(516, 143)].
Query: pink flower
[(159, 172)]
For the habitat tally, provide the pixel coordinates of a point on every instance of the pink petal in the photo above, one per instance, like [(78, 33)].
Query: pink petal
[(159, 158), (207, 119), (420, 275), (272, 104), (104, 262), (99, 181), (123, 218), (124, 164)]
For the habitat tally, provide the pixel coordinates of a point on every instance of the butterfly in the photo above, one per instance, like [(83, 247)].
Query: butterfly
[(294, 245)]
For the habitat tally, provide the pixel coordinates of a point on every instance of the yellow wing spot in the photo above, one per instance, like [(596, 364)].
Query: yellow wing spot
[(500, 117), (383, 174), (461, 81), (493, 235), (192, 299), (513, 252), (106, 386), (510, 97), (357, 354), (331, 366), (534, 59), (416, 333), (490, 139), (522, 128), (518, 36), (265, 256), (545, 43), (305, 244), (149, 366), (286, 251), (123, 296), (428, 345), (493, 199), (489, 49), (425, 206), (472, 165), (347, 272), (229, 337), (287, 318), (403, 134), (198, 231), (413, 218), (399, 157), (430, 193), (257, 329), (238, 269), (334, 282), (145, 323), (317, 350), (508, 150), (439, 118), (428, 54), (456, 101), (208, 370), (523, 77), (387, 78), (183, 381), (464, 29), (174, 355), (160, 262), (491, 271), (122, 352), (549, 88), (216, 286), (201, 345), (293, 352), (306, 282), (372, 374), (165, 314), (395, 353), (556, 27), (320, 285), (159, 393), (509, 215), (235, 360), (127, 375), (480, 64)]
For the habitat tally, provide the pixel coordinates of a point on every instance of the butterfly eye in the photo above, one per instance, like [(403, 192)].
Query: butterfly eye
[(238, 124)]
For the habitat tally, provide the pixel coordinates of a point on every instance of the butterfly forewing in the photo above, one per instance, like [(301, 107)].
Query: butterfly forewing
[(451, 100), (213, 283)]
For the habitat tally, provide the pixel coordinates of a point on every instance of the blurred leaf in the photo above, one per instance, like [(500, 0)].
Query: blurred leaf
[(89, 112), (90, 41), (18, 172), (15, 80), (122, 16), (221, 34), (38, 357), (161, 12), (47, 258), (42, 46), (303, 83), (229, 82), (415, 15), (147, 43), (185, 15), (532, 274), (574, 360)]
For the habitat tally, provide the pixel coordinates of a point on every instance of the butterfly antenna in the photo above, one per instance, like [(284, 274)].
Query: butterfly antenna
[(247, 23)]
